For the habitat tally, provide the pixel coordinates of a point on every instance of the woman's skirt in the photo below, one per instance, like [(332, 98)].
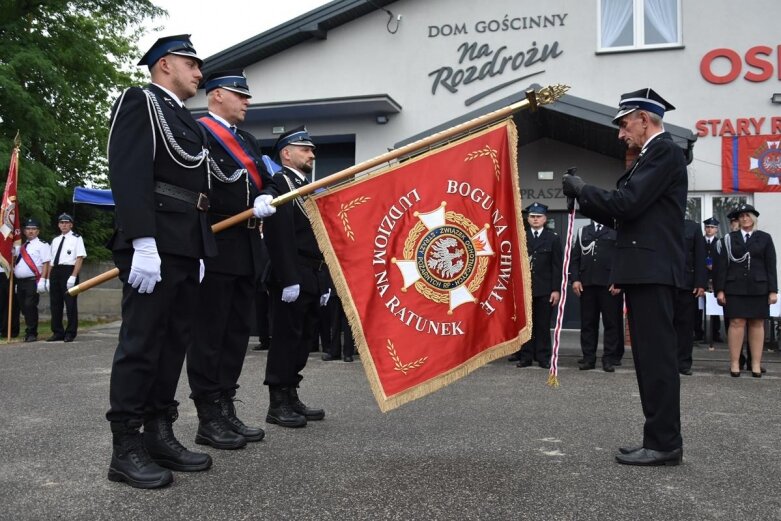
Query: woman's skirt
[(747, 306)]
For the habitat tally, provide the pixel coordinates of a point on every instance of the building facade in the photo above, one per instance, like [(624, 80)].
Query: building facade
[(366, 77)]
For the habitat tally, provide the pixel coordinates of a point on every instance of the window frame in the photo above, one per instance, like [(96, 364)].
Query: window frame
[(638, 31)]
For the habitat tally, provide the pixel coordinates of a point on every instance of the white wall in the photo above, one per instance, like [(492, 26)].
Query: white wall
[(362, 58)]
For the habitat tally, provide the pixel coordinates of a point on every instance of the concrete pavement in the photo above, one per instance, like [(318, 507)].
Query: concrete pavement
[(498, 444)]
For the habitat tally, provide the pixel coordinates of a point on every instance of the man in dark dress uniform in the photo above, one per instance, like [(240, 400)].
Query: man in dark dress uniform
[(157, 168), (592, 261), (227, 290), (695, 276), (712, 245), (297, 287), (545, 259), (647, 207)]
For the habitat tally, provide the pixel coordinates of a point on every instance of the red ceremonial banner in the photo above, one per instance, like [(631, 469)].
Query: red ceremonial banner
[(750, 164), (429, 258), (10, 234)]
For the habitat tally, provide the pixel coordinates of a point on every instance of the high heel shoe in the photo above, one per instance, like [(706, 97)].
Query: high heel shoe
[(734, 374), (756, 375)]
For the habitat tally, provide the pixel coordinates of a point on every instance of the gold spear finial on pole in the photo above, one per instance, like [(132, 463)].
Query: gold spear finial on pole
[(17, 140), (551, 93)]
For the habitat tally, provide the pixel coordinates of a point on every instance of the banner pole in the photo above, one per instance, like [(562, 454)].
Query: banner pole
[(10, 303), (533, 99)]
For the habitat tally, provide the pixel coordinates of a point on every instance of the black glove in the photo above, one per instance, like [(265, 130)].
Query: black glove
[(572, 185)]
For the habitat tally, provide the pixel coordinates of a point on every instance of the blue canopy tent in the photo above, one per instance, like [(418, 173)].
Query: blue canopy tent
[(94, 196)]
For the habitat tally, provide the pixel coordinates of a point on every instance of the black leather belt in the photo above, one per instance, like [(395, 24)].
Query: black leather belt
[(201, 201)]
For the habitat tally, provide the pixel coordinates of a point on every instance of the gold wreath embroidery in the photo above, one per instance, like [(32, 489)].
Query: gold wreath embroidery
[(343, 214), (397, 361), (486, 151)]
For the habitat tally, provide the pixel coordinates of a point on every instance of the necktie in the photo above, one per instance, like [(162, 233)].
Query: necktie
[(748, 235), (599, 228), (233, 128), (59, 250), (536, 234)]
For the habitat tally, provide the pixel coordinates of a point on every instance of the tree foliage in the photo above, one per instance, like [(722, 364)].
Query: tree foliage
[(61, 65)]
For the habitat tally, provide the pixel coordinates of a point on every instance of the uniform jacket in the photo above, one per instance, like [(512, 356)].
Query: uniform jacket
[(545, 258), (712, 252), (593, 267), (647, 207), (295, 255), (696, 273), (240, 248), (138, 157), (737, 278)]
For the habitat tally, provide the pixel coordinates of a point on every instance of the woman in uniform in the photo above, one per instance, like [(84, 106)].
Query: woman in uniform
[(746, 285)]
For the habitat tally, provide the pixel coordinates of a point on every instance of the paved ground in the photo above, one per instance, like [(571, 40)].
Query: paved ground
[(498, 444)]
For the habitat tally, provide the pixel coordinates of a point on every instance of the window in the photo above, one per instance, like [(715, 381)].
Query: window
[(627, 25), (694, 208)]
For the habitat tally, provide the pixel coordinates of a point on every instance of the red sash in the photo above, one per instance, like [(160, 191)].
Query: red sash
[(233, 146), (29, 261)]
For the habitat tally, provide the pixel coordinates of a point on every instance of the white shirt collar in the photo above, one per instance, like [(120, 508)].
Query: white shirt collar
[(650, 139), (173, 96), (537, 230), (299, 174), (220, 119)]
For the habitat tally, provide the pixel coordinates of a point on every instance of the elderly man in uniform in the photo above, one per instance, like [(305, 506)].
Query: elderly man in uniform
[(159, 178), (592, 262), (648, 207), (545, 256), (298, 285), (216, 358), (31, 274), (68, 254)]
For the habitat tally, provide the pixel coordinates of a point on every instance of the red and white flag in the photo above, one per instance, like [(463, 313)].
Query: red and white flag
[(429, 258), (751, 164), (10, 234)]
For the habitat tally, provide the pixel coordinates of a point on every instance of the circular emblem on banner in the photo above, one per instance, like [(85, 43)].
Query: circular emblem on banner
[(445, 257), (766, 162)]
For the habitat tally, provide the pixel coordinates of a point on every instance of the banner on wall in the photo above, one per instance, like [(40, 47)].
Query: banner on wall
[(751, 164), (429, 258)]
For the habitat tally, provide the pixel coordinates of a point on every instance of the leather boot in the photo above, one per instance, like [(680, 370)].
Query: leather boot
[(280, 410), (166, 450), (213, 428), (307, 412), (130, 462), (228, 411)]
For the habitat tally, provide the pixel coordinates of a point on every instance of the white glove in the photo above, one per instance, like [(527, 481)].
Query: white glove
[(145, 266), (290, 293), (324, 298), (43, 285), (71, 282), (262, 207), (201, 271)]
